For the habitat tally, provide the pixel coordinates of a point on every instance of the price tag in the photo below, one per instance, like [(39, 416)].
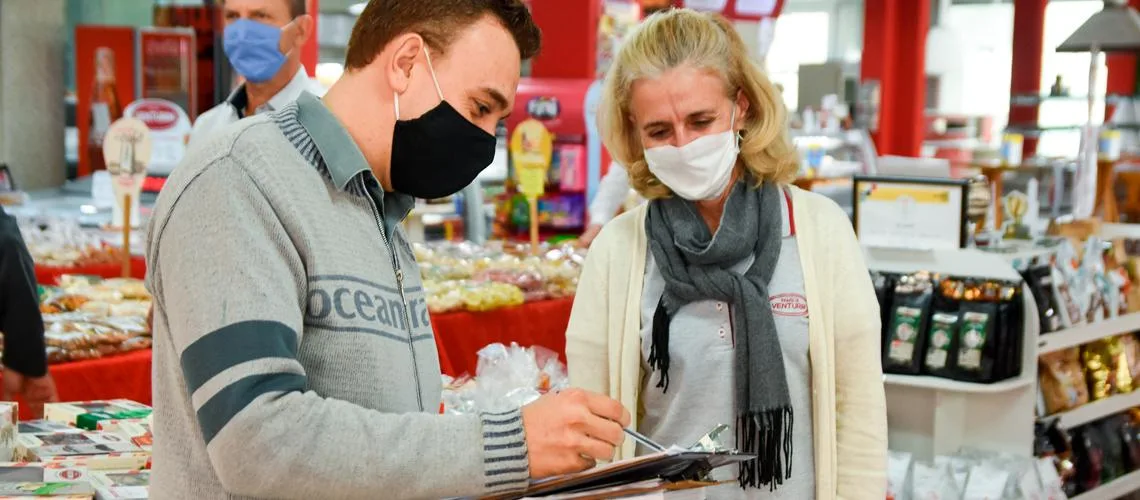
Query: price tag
[(127, 151), (532, 148)]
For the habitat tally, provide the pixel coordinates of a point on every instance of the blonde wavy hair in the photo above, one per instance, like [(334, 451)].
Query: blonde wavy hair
[(679, 37)]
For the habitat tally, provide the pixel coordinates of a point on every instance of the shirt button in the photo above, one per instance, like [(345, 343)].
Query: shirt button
[(721, 332), (720, 306)]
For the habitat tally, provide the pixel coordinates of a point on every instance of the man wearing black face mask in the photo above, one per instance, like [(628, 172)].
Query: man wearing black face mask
[(290, 319)]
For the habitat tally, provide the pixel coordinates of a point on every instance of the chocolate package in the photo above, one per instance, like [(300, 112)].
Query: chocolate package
[(69, 413), (35, 472), (130, 485), (94, 450)]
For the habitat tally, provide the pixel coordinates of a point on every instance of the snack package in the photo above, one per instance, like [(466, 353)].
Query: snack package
[(1098, 370), (68, 413), (1088, 460), (1106, 434), (898, 471), (933, 483), (95, 450), (906, 338), (1070, 311), (506, 378), (1051, 482), (9, 420), (21, 491), (941, 351), (959, 468), (1131, 346), (976, 337), (1063, 385), (1121, 372), (34, 472), (132, 485), (36, 427), (985, 483), (1040, 280)]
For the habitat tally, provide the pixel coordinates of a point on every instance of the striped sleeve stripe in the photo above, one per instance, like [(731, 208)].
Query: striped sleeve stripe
[(220, 409), (505, 463), (235, 344)]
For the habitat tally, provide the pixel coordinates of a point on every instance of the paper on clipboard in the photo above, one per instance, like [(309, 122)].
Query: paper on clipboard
[(673, 464)]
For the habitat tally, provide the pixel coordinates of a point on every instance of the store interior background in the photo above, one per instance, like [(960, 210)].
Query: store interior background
[(968, 49)]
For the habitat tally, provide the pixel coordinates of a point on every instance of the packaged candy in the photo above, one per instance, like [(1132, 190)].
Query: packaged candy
[(33, 472), (985, 483), (1039, 278), (898, 471), (933, 483), (1063, 385), (506, 378), (9, 420), (68, 413), (1098, 372), (130, 485), (1088, 459)]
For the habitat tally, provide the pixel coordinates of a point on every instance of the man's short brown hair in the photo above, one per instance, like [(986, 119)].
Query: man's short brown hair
[(438, 22), (296, 7)]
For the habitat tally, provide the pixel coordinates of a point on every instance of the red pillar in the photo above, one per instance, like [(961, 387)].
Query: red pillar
[(311, 52), (1121, 71), (569, 38), (1025, 77), (894, 54)]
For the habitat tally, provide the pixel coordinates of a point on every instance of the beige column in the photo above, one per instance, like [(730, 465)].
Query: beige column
[(31, 91)]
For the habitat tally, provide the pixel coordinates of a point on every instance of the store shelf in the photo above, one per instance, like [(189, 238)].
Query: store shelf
[(942, 384), (1072, 337), (1123, 485), (1096, 410)]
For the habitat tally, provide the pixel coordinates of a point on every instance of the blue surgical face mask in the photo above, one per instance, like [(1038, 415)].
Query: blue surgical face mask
[(253, 49)]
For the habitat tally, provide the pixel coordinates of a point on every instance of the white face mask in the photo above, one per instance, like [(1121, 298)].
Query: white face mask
[(699, 170)]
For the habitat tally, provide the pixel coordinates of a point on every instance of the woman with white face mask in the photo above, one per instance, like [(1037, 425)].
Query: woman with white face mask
[(731, 297)]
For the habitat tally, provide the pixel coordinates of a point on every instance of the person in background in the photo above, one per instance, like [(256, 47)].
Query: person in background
[(294, 356), (262, 40), (25, 358), (749, 302), (613, 190)]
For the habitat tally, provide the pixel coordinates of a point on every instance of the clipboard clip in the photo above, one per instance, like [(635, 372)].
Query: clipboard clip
[(711, 442)]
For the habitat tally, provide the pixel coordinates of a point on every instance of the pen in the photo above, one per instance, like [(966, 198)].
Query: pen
[(640, 438)]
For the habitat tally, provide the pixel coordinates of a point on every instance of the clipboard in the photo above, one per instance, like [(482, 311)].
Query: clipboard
[(672, 465)]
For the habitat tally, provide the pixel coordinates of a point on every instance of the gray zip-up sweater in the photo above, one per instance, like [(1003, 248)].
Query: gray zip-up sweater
[(293, 352)]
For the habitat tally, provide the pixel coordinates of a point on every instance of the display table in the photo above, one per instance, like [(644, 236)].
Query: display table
[(49, 275), (459, 336), (125, 376)]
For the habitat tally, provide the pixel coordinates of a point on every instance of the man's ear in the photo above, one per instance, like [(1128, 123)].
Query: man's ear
[(305, 24), (405, 50)]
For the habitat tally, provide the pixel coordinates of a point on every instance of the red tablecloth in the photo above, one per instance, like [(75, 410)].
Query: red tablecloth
[(459, 337), (48, 275), (124, 376)]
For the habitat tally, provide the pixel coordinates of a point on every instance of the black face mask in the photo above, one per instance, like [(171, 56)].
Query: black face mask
[(439, 153)]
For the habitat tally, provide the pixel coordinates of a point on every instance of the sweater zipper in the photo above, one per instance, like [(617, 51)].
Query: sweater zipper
[(400, 288)]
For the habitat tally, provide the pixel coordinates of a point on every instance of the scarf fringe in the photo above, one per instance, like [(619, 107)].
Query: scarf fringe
[(659, 348), (768, 434)]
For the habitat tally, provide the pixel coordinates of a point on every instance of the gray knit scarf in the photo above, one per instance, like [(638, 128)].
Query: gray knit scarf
[(697, 266)]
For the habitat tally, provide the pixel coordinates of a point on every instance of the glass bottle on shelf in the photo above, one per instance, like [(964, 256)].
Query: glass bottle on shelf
[(105, 107)]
